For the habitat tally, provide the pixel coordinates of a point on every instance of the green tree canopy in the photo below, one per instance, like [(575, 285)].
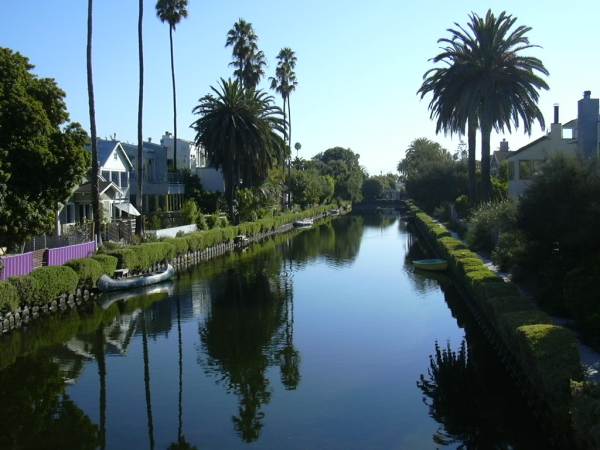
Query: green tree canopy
[(42, 156), (372, 188), (342, 164), (249, 62)]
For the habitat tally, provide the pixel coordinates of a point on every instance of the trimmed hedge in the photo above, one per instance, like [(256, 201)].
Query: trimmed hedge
[(9, 298), (55, 281), (88, 269), (28, 289), (586, 413), (547, 353), (108, 263)]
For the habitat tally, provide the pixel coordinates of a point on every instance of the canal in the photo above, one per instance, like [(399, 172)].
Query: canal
[(320, 339)]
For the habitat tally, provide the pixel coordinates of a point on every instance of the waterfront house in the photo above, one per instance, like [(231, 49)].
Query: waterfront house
[(578, 137), (498, 157)]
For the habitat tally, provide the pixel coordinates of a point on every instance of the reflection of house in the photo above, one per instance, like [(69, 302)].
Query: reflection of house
[(161, 189), (582, 141), (498, 157), (114, 169)]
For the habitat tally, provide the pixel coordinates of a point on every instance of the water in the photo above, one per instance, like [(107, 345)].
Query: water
[(320, 339)]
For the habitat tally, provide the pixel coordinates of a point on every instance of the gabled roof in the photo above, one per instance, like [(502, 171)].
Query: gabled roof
[(105, 149), (103, 186), (501, 155), (570, 124), (525, 147)]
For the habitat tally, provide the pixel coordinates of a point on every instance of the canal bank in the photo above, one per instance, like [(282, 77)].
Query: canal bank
[(542, 357), (326, 338)]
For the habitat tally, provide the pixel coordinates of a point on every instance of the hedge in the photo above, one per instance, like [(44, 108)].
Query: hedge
[(547, 353), (54, 281), (9, 298), (28, 289), (586, 413), (88, 269), (108, 263)]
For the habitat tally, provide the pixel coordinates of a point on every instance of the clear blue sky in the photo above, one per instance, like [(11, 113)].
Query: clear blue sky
[(359, 63)]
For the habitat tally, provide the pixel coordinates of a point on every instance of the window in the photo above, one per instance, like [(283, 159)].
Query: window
[(525, 169), (106, 175), (115, 156), (124, 180), (115, 178)]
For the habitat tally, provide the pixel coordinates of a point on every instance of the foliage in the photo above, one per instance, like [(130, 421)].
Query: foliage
[(88, 270), (462, 204), (488, 221), (249, 62), (581, 300), (372, 188), (343, 166), (305, 187), (586, 413), (54, 281), (509, 250), (190, 211), (42, 156), (28, 290), (107, 262), (180, 244), (201, 223), (9, 296), (242, 132)]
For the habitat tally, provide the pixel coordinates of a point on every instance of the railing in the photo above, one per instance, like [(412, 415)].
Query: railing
[(62, 255), (16, 265)]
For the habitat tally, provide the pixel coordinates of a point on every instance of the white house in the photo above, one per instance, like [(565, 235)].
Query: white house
[(189, 155), (114, 169), (583, 140)]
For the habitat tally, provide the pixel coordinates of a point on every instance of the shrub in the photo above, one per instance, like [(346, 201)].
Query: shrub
[(88, 269), (581, 293), (586, 413), (222, 221), (190, 211), (9, 298), (127, 259), (55, 281), (180, 244), (462, 205), (28, 289), (201, 223), (212, 221), (488, 221), (107, 262), (509, 250)]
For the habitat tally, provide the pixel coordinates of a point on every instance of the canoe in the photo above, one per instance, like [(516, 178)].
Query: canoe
[(305, 223), (108, 284), (108, 299), (434, 265)]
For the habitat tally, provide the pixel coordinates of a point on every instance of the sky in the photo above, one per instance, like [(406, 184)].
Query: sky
[(360, 63)]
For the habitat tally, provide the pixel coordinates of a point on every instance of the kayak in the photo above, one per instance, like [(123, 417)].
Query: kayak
[(107, 284), (303, 223), (435, 265)]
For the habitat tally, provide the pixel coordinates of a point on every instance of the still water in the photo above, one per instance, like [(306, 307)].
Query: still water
[(322, 339)]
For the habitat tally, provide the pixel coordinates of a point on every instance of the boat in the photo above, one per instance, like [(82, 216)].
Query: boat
[(241, 240), (334, 212), (108, 284), (304, 223), (110, 298), (434, 265)]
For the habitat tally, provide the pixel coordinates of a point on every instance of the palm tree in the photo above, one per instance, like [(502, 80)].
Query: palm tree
[(243, 133), (140, 155), (90, 82), (172, 11), (248, 60), (495, 84), (147, 382)]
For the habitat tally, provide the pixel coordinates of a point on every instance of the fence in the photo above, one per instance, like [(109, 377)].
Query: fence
[(24, 263), (16, 265), (61, 255)]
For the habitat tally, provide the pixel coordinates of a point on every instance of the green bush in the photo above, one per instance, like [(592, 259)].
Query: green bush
[(509, 250), (88, 269), (55, 281), (9, 298), (462, 205), (201, 223), (497, 306), (586, 413), (127, 258), (487, 223), (28, 289), (190, 211), (108, 263), (222, 222), (581, 294), (181, 245)]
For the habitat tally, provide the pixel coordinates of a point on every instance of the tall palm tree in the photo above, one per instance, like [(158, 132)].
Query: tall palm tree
[(243, 133), (147, 381), (498, 85), (140, 149), (172, 11), (248, 60), (90, 82)]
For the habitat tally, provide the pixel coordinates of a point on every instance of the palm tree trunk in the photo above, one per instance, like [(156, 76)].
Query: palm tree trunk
[(140, 153), (471, 139), (486, 184), (147, 383), (283, 195), (101, 361), (174, 101), (94, 181), (180, 348), (290, 148)]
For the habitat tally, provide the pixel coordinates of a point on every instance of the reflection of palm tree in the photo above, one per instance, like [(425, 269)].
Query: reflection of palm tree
[(147, 381), (101, 361), (289, 357)]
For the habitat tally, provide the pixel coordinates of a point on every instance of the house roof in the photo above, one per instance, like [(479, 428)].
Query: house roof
[(525, 147), (501, 155), (103, 186), (570, 124), (105, 149)]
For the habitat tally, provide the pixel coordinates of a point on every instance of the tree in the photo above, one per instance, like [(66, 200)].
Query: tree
[(248, 60), (343, 166), (96, 210), (421, 153), (172, 11), (243, 134), (372, 188), (494, 82), (42, 155), (140, 159)]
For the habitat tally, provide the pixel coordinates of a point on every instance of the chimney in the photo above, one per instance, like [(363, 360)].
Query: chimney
[(504, 145), (150, 139), (588, 110), (556, 117)]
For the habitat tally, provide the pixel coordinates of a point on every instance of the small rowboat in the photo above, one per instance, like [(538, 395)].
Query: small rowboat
[(434, 265), (107, 284), (305, 223)]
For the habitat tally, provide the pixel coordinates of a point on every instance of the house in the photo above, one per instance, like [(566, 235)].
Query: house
[(189, 155), (162, 190), (498, 157), (114, 169), (577, 137)]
